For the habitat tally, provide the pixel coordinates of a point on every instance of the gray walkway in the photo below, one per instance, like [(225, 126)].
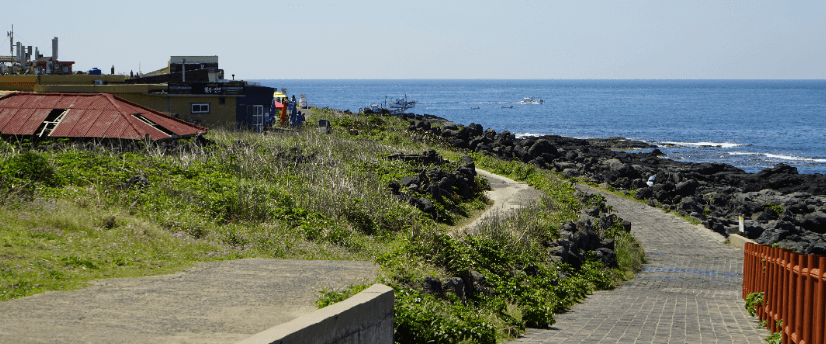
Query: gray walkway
[(213, 302), (689, 292)]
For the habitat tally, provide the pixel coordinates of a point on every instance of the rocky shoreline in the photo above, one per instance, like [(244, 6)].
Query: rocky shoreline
[(779, 206)]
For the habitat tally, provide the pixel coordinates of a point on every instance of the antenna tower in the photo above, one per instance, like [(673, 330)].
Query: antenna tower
[(11, 40)]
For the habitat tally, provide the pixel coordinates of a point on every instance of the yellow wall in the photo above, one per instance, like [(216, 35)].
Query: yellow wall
[(91, 88), (29, 83), (77, 79), (181, 107), (18, 82)]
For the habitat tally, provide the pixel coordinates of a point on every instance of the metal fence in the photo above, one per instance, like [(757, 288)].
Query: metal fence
[(794, 287)]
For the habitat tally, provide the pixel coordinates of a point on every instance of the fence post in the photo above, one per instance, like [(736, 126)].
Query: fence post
[(798, 298), (788, 285), (772, 296), (809, 298), (781, 280), (820, 303), (747, 269)]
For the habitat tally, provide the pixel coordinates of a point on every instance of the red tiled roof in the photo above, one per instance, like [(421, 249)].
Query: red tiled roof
[(92, 115)]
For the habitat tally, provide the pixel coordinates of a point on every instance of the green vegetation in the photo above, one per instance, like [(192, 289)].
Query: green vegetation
[(778, 209), (70, 213), (755, 300), (777, 337)]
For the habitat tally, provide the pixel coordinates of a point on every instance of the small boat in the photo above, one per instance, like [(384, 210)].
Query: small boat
[(507, 107), (394, 106), (475, 108), (529, 100)]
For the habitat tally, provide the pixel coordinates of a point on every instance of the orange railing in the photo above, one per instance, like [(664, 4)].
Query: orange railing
[(794, 287)]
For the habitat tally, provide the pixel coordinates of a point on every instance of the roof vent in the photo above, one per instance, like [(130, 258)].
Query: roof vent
[(51, 122), (152, 124)]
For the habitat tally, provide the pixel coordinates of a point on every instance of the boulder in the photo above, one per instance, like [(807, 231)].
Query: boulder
[(475, 130), (406, 181), (474, 143), (542, 146), (607, 256), (458, 142), (454, 285), (505, 138), (432, 286), (686, 188), (474, 282), (815, 222)]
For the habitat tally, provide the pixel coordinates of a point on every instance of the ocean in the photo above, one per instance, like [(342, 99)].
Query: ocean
[(750, 124)]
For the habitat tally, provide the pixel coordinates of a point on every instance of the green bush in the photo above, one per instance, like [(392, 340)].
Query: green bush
[(421, 318), (30, 166)]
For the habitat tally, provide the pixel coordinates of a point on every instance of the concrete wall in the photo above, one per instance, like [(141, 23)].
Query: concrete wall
[(367, 317), (739, 241)]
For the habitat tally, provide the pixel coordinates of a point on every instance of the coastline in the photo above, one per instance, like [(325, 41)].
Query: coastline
[(778, 205)]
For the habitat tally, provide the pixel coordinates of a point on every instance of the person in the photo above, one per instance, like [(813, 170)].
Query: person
[(291, 107), (299, 120)]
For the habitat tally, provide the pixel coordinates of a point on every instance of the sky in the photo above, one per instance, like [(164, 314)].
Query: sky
[(445, 39)]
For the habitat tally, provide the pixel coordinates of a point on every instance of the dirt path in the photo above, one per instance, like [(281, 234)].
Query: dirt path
[(507, 195), (215, 302)]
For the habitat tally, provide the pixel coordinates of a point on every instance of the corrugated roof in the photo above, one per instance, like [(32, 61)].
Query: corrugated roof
[(92, 115)]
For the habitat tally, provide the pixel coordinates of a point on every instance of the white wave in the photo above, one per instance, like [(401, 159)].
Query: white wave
[(700, 144), (780, 156), (792, 157), (521, 135)]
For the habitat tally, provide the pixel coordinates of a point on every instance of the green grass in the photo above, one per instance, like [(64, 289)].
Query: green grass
[(67, 217), (47, 245)]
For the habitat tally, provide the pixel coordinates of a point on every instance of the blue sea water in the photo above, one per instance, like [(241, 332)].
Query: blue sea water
[(751, 124)]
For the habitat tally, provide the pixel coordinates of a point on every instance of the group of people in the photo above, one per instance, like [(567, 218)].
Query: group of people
[(296, 118)]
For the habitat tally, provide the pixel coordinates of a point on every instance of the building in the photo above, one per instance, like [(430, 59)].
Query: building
[(87, 115), (191, 88), (196, 93)]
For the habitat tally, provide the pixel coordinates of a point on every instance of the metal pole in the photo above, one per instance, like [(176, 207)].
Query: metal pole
[(184, 66)]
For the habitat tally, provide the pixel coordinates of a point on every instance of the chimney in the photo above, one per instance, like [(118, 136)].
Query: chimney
[(54, 49)]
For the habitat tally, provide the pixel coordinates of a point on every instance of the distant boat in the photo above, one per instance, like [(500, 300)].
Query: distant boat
[(475, 108), (394, 106), (529, 100), (507, 107)]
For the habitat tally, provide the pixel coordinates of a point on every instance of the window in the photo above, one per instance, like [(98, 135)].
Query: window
[(200, 108), (222, 100)]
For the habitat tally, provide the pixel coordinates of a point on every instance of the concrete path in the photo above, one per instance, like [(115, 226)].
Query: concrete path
[(214, 302), (689, 292), (507, 195)]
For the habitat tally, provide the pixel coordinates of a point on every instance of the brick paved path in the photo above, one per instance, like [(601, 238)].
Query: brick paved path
[(689, 292)]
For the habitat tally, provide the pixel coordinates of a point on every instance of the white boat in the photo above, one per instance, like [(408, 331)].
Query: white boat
[(394, 106), (529, 100)]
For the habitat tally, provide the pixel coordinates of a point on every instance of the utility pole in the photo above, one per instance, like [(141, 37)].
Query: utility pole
[(11, 40)]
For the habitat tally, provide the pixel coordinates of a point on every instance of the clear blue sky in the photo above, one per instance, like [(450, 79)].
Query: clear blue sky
[(446, 39)]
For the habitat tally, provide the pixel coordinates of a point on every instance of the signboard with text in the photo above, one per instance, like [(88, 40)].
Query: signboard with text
[(218, 88)]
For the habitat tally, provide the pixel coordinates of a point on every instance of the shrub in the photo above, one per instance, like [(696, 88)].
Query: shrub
[(30, 166)]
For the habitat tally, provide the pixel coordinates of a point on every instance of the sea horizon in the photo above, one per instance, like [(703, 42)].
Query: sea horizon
[(751, 124)]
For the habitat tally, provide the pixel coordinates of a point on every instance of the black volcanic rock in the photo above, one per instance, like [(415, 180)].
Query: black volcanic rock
[(775, 202)]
